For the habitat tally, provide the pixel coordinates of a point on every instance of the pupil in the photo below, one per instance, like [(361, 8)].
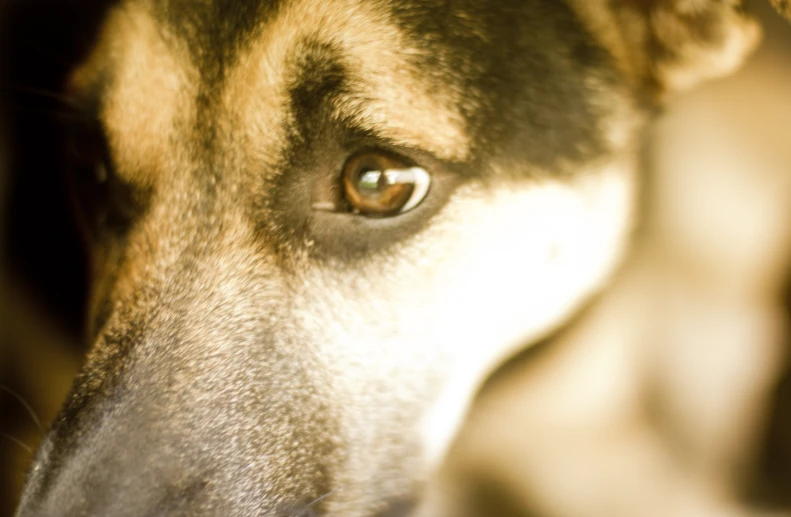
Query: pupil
[(372, 180)]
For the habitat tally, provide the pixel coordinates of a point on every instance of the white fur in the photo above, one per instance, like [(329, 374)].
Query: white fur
[(408, 336)]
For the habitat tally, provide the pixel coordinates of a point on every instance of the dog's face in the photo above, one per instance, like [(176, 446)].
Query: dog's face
[(317, 225)]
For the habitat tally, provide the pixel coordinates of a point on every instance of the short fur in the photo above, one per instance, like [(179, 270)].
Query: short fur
[(253, 356)]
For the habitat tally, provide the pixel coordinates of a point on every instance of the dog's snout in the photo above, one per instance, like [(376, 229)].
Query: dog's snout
[(173, 432), (86, 494), (120, 475)]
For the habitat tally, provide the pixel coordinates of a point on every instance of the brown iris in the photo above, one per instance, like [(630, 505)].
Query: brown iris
[(378, 185)]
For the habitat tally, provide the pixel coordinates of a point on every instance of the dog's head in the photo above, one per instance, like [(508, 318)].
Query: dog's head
[(317, 225)]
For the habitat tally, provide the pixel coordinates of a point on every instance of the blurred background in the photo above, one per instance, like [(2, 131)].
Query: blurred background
[(42, 266), (704, 294), (700, 311)]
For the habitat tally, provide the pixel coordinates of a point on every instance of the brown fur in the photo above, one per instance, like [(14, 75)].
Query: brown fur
[(252, 356)]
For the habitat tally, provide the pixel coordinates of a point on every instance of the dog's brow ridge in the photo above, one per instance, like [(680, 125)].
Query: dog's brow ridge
[(383, 93)]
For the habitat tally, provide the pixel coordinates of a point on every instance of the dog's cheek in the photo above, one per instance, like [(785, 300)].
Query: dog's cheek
[(416, 330)]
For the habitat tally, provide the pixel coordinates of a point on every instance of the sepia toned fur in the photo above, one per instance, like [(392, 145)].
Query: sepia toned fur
[(253, 355)]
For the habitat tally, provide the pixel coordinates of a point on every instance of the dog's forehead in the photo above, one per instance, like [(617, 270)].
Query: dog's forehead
[(454, 79)]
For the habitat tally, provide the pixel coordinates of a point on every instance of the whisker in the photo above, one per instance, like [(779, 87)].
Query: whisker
[(319, 499), (306, 510), (18, 442), (24, 404), (65, 99)]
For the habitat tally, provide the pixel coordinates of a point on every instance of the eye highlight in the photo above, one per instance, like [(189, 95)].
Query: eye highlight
[(377, 185)]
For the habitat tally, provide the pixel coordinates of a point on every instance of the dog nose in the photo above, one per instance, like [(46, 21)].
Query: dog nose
[(122, 461), (184, 425)]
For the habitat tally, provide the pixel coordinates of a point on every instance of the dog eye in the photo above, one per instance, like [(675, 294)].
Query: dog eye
[(377, 185), (104, 202)]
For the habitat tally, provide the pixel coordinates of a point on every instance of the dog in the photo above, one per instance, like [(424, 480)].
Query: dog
[(316, 227)]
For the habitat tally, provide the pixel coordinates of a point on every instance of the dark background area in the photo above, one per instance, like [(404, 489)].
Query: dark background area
[(42, 264)]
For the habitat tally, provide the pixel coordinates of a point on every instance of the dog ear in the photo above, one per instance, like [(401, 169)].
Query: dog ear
[(783, 7), (679, 43)]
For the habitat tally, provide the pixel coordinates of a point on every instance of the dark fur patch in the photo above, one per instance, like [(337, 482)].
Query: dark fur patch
[(523, 67), (214, 30)]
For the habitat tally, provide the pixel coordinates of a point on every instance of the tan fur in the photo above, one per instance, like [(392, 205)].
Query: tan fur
[(298, 372), (152, 87), (402, 104)]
